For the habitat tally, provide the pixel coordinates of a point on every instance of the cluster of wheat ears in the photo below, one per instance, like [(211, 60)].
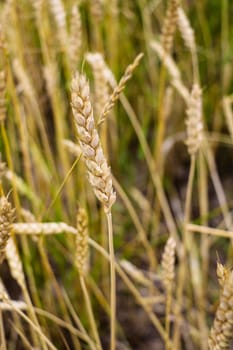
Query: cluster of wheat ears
[(64, 118)]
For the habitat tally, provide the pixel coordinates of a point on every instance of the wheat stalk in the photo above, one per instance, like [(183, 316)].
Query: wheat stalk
[(98, 171)]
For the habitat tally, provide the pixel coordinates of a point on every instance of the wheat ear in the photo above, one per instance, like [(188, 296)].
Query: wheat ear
[(168, 275), (6, 219), (82, 251), (194, 122), (119, 88), (221, 332), (98, 171), (169, 26), (75, 37)]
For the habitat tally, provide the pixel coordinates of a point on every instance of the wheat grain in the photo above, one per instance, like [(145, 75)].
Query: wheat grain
[(6, 219), (98, 170), (222, 329), (82, 251), (194, 120)]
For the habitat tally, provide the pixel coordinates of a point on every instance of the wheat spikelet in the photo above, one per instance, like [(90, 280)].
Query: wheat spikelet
[(168, 263), (82, 251), (36, 228), (186, 30), (98, 170), (14, 262), (72, 148), (98, 65), (6, 219), (222, 329), (169, 25), (194, 120), (222, 273), (75, 37), (119, 88)]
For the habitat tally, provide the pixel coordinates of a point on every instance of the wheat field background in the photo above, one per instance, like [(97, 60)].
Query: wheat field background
[(116, 136)]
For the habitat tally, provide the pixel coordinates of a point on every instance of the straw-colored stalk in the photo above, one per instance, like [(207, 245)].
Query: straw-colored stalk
[(6, 219), (168, 276), (98, 170), (221, 332), (82, 262)]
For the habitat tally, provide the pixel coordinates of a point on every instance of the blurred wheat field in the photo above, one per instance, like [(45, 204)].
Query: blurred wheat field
[(116, 196)]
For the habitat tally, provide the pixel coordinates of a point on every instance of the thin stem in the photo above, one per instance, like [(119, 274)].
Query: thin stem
[(90, 312), (112, 283)]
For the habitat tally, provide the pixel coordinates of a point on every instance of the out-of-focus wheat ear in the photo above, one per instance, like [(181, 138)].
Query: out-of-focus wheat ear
[(119, 88), (194, 122), (99, 173), (6, 219), (169, 25), (82, 251), (221, 332), (97, 9), (98, 65), (75, 37), (2, 96), (186, 30), (2, 76), (168, 263), (59, 14), (188, 36), (15, 263)]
